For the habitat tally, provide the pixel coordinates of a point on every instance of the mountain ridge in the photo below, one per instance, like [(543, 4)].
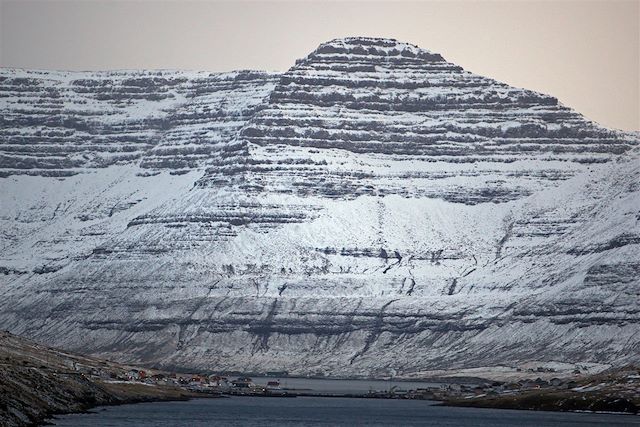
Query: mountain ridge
[(366, 213)]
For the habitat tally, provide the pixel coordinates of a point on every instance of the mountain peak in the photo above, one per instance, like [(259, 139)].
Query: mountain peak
[(374, 47), (372, 203)]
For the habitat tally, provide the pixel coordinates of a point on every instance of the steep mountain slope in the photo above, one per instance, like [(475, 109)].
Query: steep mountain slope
[(383, 212), (60, 123), (124, 141)]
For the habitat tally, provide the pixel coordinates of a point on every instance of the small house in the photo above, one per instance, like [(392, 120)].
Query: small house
[(243, 382)]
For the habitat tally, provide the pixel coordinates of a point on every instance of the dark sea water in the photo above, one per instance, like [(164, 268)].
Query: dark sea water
[(319, 411)]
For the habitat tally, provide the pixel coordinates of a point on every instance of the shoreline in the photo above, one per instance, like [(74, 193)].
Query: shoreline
[(123, 398), (38, 382), (47, 418), (42, 406), (95, 409), (106, 394), (550, 401), (513, 408)]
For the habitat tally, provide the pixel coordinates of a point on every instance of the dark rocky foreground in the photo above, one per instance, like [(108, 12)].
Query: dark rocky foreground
[(616, 390), (37, 382)]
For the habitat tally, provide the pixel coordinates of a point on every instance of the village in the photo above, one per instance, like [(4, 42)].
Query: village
[(31, 373), (536, 387), (624, 383)]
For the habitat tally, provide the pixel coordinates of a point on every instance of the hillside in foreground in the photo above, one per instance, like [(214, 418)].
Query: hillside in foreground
[(37, 382)]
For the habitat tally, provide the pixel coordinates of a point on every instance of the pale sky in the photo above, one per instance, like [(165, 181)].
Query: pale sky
[(586, 53)]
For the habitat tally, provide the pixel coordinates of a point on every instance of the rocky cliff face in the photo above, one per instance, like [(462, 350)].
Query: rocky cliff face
[(375, 210), (61, 123)]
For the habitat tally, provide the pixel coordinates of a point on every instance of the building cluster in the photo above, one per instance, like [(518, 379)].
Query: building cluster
[(624, 382), (205, 383)]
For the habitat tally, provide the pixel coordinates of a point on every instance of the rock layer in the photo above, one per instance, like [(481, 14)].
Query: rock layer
[(61, 123), (375, 210)]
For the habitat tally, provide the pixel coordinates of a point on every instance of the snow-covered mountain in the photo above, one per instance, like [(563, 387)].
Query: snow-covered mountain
[(375, 210)]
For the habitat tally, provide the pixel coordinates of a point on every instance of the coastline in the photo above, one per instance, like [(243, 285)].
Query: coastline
[(31, 396), (615, 390), (550, 402), (39, 382), (60, 393)]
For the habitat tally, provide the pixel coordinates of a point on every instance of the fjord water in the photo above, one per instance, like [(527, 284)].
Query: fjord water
[(319, 411)]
